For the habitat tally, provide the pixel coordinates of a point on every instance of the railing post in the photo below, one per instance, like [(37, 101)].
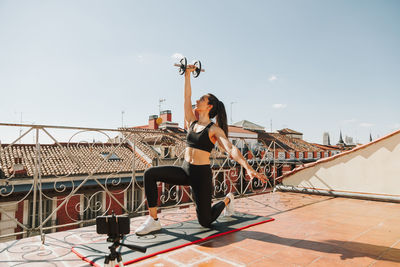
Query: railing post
[(35, 182), (40, 187), (274, 165), (134, 175)]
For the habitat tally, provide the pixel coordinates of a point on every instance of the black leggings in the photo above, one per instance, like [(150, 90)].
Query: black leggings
[(199, 177)]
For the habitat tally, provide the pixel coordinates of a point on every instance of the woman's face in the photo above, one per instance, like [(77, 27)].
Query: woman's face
[(202, 104)]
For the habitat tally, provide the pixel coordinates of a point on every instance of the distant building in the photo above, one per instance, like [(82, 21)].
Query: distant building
[(341, 142), (326, 139), (344, 146), (349, 140)]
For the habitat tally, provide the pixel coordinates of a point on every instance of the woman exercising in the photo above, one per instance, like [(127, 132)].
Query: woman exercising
[(196, 169)]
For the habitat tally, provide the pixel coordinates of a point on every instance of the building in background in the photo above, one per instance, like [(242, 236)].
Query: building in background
[(326, 140)]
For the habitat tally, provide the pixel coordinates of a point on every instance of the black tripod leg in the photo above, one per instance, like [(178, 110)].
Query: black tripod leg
[(107, 260)]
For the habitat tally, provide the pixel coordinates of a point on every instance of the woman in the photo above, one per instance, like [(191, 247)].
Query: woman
[(196, 169)]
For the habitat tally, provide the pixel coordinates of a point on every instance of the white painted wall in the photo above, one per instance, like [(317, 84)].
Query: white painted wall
[(7, 222), (373, 169)]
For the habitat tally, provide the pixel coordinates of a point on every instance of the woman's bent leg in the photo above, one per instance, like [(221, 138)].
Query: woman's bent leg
[(167, 174), (202, 192)]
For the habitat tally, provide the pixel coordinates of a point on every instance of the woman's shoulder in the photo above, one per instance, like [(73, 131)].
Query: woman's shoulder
[(214, 127)]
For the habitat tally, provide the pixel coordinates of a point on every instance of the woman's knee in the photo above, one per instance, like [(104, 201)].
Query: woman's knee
[(205, 222), (148, 174)]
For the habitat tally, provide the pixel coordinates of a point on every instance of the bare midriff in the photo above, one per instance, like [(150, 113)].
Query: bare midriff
[(197, 156)]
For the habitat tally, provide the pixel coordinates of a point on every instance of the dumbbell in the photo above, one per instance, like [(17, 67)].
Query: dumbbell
[(183, 65)]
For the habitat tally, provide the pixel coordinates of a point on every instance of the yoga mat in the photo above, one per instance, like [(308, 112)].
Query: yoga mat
[(170, 237)]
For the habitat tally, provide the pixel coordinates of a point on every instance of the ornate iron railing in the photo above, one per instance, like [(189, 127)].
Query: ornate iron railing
[(50, 185)]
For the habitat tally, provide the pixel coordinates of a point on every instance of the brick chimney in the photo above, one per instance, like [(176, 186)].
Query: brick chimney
[(166, 115), (152, 122)]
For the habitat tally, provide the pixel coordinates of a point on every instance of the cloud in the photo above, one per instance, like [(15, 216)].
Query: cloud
[(279, 106), (366, 124), (272, 78), (177, 56), (350, 121)]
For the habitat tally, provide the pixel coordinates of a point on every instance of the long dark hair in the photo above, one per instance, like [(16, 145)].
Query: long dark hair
[(218, 110)]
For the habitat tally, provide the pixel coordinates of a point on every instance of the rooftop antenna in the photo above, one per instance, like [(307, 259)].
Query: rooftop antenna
[(271, 124), (20, 128), (122, 118)]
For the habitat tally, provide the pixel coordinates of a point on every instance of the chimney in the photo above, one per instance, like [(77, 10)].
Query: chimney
[(166, 115), (152, 122), (18, 168)]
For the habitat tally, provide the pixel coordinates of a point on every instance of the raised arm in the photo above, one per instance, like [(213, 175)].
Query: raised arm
[(189, 114), (235, 154)]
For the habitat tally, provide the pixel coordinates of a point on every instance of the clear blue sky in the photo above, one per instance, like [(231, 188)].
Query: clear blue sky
[(312, 66)]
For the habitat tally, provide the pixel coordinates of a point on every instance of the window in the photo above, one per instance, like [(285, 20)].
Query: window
[(92, 206), (112, 157), (134, 198), (47, 208)]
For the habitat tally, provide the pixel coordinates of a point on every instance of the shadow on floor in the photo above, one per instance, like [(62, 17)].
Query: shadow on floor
[(347, 249)]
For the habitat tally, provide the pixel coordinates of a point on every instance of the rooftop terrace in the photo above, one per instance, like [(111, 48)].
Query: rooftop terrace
[(308, 230)]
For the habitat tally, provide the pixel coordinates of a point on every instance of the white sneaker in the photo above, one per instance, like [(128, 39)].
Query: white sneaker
[(149, 226), (230, 209)]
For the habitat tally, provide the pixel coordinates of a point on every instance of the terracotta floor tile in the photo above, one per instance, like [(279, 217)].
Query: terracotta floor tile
[(268, 262), (293, 255), (157, 262), (213, 262), (241, 256), (392, 254), (213, 247), (363, 247), (263, 247), (352, 257), (385, 263), (319, 248), (185, 256), (328, 262)]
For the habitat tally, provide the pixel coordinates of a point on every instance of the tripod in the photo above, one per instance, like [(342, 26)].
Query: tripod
[(114, 256)]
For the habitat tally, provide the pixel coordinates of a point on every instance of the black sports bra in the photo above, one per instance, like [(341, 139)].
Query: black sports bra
[(199, 140)]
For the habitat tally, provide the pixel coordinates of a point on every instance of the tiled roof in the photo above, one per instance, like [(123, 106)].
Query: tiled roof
[(238, 129), (69, 159), (288, 131), (326, 147), (295, 143), (268, 138)]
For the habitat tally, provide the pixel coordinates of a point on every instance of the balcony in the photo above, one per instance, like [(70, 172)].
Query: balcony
[(52, 189)]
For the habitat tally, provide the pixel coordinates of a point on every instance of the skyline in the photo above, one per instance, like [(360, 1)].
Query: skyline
[(311, 66)]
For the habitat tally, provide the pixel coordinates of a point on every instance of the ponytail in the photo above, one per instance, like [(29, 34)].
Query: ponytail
[(218, 110)]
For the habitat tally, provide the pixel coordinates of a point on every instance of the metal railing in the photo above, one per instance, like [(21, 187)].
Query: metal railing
[(51, 185)]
